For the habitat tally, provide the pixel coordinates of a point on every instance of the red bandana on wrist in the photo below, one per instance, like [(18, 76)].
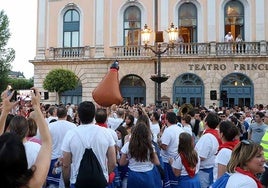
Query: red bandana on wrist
[(242, 171), (190, 171), (215, 133)]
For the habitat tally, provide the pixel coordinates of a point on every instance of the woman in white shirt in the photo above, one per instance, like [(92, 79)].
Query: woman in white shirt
[(141, 158), (246, 161)]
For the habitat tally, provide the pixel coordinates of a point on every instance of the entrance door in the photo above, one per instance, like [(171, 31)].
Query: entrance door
[(239, 89), (188, 88), (133, 90)]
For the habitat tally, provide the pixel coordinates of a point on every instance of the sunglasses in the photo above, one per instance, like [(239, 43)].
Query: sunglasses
[(247, 142)]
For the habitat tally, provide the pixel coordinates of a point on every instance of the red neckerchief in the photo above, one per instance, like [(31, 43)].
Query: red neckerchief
[(102, 125), (215, 133), (242, 171), (229, 145), (190, 171)]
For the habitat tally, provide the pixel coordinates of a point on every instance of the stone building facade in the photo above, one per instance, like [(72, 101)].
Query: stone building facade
[(87, 36)]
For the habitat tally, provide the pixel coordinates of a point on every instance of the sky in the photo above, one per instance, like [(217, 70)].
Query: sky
[(22, 17)]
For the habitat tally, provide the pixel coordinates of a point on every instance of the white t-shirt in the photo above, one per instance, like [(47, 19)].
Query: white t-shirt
[(134, 165), (223, 157), (113, 123), (170, 137), (207, 147), (93, 136), (238, 180), (177, 163), (187, 128), (58, 129), (31, 149), (155, 128)]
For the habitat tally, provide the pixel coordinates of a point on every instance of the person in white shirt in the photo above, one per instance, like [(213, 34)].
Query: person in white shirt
[(247, 160), (169, 142), (154, 126), (185, 121), (228, 134), (58, 130), (114, 122), (207, 147), (92, 136), (141, 158), (229, 37)]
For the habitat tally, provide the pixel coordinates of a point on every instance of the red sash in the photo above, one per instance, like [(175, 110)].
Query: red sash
[(190, 171), (215, 133), (242, 171), (229, 145)]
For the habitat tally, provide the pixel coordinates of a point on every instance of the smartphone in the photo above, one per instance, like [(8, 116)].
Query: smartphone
[(14, 96)]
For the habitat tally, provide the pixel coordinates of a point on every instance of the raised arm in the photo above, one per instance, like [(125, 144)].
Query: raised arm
[(44, 156), (5, 109)]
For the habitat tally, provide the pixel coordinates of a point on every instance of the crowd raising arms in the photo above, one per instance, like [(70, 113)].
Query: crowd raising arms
[(12, 152)]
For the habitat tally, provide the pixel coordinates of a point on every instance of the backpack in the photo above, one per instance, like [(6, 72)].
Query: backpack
[(90, 173), (221, 182)]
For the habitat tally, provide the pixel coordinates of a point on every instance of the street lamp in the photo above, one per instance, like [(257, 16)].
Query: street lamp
[(158, 51)]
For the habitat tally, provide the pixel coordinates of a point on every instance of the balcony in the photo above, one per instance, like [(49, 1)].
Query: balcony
[(212, 49)]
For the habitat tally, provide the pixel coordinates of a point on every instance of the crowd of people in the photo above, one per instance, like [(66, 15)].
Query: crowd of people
[(136, 146)]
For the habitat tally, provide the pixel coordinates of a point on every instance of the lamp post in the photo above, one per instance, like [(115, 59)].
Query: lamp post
[(158, 51)]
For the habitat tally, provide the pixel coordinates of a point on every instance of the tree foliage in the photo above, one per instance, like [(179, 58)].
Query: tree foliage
[(60, 80), (7, 55), (21, 83)]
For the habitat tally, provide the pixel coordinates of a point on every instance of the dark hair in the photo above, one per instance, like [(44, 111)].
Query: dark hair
[(51, 110), (8, 119), (86, 112), (13, 162), (156, 116), (187, 118), (260, 114), (186, 147), (171, 117), (19, 125), (32, 127), (140, 143), (101, 115), (61, 112), (123, 132), (228, 129), (131, 118), (212, 120)]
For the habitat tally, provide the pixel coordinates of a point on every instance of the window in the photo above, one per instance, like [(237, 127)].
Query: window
[(188, 22), (71, 30), (234, 18), (132, 26)]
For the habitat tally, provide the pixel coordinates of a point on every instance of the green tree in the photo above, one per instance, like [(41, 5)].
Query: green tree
[(60, 80), (7, 55), (21, 83)]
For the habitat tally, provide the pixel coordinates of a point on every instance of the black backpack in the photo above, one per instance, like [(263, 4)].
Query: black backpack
[(90, 174)]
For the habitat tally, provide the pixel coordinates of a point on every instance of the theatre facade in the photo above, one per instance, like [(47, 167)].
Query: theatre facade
[(86, 37)]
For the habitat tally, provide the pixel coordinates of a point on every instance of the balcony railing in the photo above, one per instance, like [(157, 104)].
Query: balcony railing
[(214, 49)]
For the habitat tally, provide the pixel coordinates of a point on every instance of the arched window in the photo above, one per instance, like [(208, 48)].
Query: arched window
[(132, 26), (133, 89), (234, 18), (71, 29), (188, 22), (188, 88)]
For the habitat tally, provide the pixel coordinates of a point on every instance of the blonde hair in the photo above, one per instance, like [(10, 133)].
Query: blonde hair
[(242, 154)]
